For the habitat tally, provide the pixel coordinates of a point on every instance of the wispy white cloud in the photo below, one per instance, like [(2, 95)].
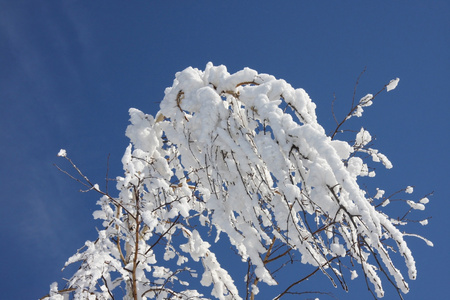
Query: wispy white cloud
[(46, 41), (42, 42), (26, 59)]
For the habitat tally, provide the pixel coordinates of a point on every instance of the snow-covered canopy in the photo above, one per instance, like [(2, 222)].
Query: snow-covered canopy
[(241, 153)]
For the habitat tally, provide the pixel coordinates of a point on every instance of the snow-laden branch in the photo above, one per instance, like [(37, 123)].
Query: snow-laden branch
[(243, 154)]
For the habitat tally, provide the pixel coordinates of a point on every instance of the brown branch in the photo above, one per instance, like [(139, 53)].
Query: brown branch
[(354, 107), (162, 235), (107, 173), (279, 256), (107, 287), (286, 291), (247, 282), (136, 244), (255, 282), (356, 85), (59, 292), (119, 248), (90, 185), (332, 109), (180, 97), (247, 82), (71, 176)]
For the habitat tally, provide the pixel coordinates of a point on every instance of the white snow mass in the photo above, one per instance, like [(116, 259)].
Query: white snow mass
[(392, 84), (62, 153), (244, 155)]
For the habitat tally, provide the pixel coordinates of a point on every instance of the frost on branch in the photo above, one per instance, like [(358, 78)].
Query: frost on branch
[(243, 155)]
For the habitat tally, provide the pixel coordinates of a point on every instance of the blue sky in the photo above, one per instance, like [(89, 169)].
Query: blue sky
[(70, 70)]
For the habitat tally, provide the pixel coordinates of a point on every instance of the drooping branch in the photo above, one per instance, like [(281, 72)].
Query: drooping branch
[(242, 154)]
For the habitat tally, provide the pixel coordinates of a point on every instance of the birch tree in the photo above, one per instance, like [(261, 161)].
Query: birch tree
[(240, 157)]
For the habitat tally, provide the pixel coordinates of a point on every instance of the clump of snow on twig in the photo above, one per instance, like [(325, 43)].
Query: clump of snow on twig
[(409, 189), (62, 153), (392, 84)]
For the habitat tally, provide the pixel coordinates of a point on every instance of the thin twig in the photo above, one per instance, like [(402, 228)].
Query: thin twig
[(356, 85)]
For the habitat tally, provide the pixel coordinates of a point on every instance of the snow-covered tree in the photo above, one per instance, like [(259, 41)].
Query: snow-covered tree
[(239, 157)]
